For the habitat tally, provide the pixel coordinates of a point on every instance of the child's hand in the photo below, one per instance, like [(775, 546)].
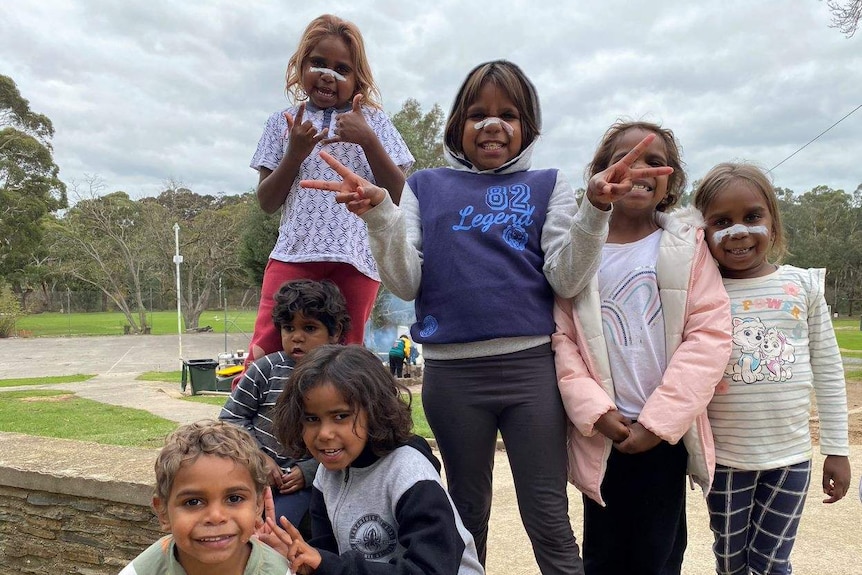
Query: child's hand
[(351, 126), (263, 530), (292, 481), (304, 559), (273, 471), (616, 181), (614, 425), (836, 477), (640, 439), (356, 192), (276, 537), (303, 136)]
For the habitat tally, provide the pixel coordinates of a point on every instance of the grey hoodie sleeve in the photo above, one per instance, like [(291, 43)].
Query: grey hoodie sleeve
[(395, 235), (572, 239)]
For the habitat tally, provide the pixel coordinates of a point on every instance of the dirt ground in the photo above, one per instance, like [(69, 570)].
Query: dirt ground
[(854, 407)]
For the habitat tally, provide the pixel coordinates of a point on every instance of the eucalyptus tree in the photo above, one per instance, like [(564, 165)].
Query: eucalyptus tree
[(422, 132), (210, 230), (100, 241), (824, 229), (30, 187)]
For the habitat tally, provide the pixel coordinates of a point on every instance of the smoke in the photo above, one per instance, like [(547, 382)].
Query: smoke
[(393, 317)]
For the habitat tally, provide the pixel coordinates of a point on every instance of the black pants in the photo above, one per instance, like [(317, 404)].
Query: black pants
[(642, 531), (396, 364), (467, 401)]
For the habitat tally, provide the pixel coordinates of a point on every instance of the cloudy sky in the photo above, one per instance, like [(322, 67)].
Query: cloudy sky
[(142, 92)]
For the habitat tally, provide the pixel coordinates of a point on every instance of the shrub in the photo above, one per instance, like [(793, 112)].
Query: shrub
[(10, 310)]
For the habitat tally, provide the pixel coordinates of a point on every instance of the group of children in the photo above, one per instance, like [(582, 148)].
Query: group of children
[(617, 344)]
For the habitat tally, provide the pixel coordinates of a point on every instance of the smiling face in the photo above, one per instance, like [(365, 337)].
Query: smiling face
[(739, 231), (334, 432), (211, 511), (302, 334), (646, 193), (324, 90), (491, 145)]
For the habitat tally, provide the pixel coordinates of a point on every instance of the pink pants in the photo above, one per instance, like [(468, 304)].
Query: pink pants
[(359, 290)]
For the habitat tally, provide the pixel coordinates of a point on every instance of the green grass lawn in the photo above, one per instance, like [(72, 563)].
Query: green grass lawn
[(420, 424), (849, 337), (44, 380), (166, 376), (111, 323), (51, 413), (61, 414)]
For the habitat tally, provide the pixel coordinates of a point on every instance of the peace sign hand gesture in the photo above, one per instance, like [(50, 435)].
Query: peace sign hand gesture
[(616, 181), (357, 193)]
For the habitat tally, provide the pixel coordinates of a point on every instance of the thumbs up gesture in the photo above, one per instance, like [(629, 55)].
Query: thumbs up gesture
[(351, 126)]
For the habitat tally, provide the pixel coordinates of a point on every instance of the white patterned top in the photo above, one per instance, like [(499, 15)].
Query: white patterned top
[(783, 347), (314, 228)]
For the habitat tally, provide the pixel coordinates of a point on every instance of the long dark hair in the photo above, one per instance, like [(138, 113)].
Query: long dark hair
[(364, 382)]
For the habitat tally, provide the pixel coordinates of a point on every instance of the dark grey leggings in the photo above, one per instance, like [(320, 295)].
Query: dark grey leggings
[(467, 401)]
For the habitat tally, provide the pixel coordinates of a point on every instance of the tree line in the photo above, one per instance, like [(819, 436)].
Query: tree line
[(107, 243)]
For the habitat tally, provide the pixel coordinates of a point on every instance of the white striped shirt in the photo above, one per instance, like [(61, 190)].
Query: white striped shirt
[(783, 347)]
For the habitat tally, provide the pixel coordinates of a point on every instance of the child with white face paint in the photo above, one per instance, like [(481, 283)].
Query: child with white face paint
[(761, 408), (489, 241), (336, 107), (638, 355)]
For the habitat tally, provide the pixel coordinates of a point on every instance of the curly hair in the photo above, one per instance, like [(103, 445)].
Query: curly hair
[(208, 437), (318, 29), (509, 78), (321, 300), (676, 181), (727, 174), (364, 382)]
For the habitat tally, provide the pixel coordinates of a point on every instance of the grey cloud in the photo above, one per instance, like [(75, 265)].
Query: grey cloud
[(143, 91)]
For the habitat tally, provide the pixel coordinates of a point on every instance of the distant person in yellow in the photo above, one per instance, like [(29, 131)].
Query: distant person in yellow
[(398, 355)]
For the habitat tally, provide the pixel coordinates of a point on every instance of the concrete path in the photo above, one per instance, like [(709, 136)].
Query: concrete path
[(829, 542)]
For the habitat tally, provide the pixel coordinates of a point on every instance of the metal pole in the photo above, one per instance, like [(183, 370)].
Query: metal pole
[(178, 259), (224, 295)]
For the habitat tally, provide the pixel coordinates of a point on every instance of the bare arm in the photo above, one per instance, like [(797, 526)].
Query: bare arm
[(274, 185), (388, 175)]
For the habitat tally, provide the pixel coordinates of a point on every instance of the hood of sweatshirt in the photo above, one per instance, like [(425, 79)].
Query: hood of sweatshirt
[(689, 215), (519, 163)]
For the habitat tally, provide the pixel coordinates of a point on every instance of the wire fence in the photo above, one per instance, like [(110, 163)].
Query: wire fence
[(69, 301)]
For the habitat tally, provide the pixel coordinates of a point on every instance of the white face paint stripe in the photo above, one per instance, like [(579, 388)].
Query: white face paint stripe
[(329, 71), (738, 229), (494, 120)]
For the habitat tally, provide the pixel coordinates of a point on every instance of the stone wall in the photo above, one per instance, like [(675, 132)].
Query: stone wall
[(73, 507)]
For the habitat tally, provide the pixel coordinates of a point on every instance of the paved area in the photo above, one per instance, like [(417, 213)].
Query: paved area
[(830, 538)]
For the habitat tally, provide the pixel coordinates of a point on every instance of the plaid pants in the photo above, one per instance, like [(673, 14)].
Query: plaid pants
[(754, 516)]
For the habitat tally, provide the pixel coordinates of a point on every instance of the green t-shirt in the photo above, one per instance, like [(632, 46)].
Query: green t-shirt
[(160, 559)]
